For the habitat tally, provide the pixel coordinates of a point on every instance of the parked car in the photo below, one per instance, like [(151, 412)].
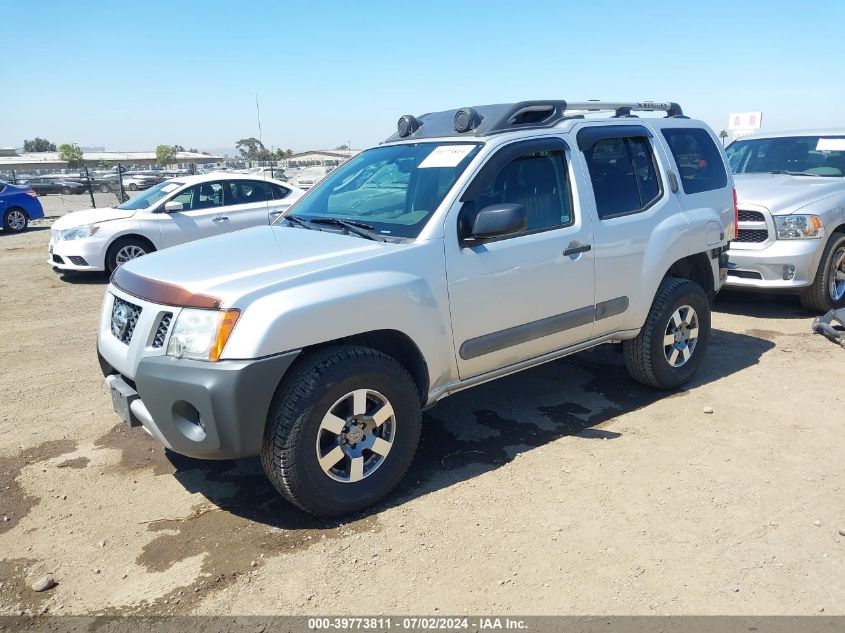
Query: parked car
[(18, 205), (97, 183), (44, 185), (502, 237), (169, 213), (791, 196)]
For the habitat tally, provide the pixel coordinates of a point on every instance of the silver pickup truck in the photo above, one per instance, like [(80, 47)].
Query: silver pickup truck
[(472, 244), (791, 197)]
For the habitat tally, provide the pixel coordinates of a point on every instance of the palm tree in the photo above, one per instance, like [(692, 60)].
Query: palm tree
[(723, 135)]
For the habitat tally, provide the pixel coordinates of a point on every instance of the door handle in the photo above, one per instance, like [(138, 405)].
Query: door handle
[(574, 250), (221, 218)]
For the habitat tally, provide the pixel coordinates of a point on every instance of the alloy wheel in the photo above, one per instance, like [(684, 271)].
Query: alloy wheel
[(16, 220), (680, 336), (355, 436), (130, 251), (836, 285)]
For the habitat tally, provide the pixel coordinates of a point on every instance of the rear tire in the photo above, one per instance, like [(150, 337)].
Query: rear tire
[(132, 186), (15, 220), (680, 312), (313, 466), (65, 191), (824, 294), (104, 188), (124, 250)]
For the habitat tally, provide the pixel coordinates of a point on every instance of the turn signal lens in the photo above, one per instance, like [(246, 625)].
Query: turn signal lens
[(228, 318)]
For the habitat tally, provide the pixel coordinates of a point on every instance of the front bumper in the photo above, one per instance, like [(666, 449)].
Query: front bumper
[(768, 268), (82, 255), (200, 409)]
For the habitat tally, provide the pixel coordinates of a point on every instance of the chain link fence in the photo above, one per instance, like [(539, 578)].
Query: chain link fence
[(68, 190)]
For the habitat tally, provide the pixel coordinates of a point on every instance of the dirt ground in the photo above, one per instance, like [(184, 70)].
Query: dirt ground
[(567, 489)]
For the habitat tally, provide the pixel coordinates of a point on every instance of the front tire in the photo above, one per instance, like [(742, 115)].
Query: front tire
[(133, 186), (15, 220), (342, 430), (828, 289), (124, 250), (673, 341)]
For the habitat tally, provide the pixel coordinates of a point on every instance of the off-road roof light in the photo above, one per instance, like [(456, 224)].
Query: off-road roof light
[(466, 119), (408, 124)]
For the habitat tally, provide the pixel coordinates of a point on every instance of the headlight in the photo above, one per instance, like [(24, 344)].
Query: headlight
[(798, 227), (80, 232), (201, 334)]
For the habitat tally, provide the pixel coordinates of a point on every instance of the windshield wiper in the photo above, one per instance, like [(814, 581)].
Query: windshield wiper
[(299, 222), (360, 229), (791, 173)]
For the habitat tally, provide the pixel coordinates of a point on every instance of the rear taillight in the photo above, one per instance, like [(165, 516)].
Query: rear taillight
[(736, 218), (31, 193)]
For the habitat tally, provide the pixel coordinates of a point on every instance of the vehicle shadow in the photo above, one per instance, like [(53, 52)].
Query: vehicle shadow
[(84, 278), (30, 229), (761, 305), (481, 429)]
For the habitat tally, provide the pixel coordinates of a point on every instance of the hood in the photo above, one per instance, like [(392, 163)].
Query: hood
[(783, 194), (236, 264), (91, 216)]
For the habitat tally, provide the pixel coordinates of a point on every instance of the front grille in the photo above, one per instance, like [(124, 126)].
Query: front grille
[(161, 332), (77, 260), (751, 216), (124, 318), (752, 235)]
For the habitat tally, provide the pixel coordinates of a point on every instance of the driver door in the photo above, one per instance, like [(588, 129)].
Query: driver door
[(202, 215)]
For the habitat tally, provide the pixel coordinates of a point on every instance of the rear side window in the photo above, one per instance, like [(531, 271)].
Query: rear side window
[(698, 159), (623, 175), (279, 192)]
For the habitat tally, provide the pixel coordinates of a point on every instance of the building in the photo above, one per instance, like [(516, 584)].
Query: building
[(319, 158), (11, 160)]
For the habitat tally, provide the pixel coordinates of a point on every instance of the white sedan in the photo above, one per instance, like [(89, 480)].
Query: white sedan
[(169, 213)]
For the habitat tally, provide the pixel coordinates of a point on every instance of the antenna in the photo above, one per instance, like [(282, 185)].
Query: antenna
[(258, 116)]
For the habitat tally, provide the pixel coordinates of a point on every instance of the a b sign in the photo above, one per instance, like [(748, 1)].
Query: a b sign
[(745, 121)]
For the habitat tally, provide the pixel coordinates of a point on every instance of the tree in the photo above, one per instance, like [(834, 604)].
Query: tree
[(71, 153), (179, 148), (342, 147), (723, 135), (104, 164), (252, 149), (288, 153), (165, 154), (38, 145)]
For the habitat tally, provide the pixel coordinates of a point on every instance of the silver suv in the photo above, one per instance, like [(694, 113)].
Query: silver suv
[(472, 244), (791, 195)]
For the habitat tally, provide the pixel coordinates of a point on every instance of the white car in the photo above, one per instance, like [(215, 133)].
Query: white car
[(169, 213)]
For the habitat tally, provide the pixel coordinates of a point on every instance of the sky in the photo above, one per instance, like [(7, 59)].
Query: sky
[(132, 75)]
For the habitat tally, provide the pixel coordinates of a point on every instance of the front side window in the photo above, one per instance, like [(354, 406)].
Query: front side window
[(539, 182), (796, 155), (623, 175), (392, 189), (698, 158), (204, 196)]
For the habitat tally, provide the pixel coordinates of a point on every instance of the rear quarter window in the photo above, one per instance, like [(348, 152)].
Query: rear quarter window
[(699, 160)]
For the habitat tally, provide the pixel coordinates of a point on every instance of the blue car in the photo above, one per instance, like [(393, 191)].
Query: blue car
[(18, 205)]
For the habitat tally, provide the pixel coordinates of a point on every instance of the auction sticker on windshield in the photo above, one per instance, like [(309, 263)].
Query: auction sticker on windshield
[(828, 145), (446, 156)]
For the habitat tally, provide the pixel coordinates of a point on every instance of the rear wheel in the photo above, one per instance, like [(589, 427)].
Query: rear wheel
[(15, 220), (65, 191), (342, 430), (828, 289), (133, 186), (126, 249), (104, 188), (671, 345)]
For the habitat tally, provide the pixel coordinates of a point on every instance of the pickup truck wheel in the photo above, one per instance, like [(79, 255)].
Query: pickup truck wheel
[(828, 289), (342, 430), (671, 345)]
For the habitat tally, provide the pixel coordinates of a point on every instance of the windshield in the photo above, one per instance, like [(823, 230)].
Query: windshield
[(151, 195), (805, 155), (393, 189)]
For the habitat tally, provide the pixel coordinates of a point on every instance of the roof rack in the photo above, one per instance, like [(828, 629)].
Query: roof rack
[(507, 117)]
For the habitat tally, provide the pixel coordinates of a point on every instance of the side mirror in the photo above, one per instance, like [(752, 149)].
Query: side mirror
[(172, 206), (495, 220)]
